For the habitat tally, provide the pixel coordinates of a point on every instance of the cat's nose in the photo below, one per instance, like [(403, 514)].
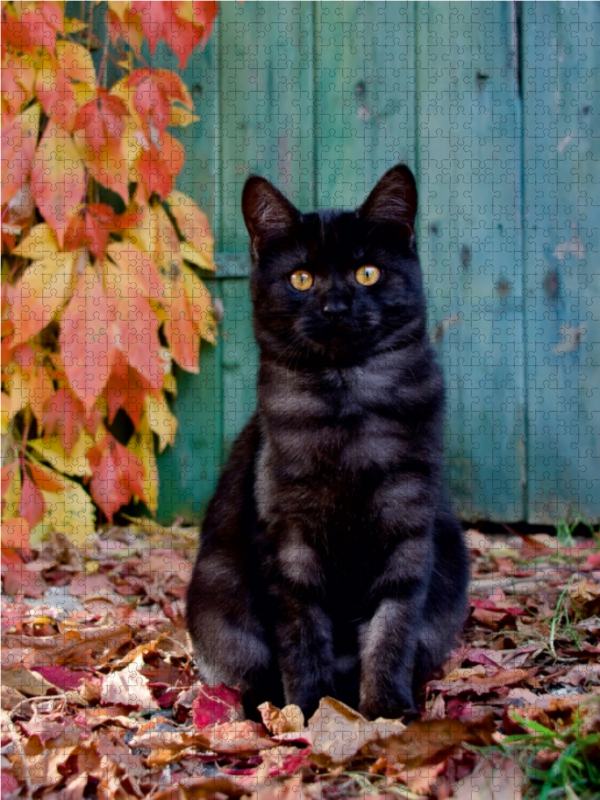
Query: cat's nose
[(335, 308)]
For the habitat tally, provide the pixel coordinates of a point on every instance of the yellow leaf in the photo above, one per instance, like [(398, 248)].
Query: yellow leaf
[(194, 226), (76, 60), (119, 7), (73, 25), (182, 117), (142, 444), (39, 242), (154, 233), (200, 302), (74, 463), (7, 412), (170, 384), (83, 94), (162, 421), (71, 512), (191, 253), (28, 387)]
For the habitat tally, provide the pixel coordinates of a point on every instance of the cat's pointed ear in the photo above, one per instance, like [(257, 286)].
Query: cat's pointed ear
[(267, 213), (393, 200)]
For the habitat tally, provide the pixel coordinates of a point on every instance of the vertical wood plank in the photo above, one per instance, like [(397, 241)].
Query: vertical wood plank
[(470, 244), (267, 105), (365, 100), (561, 80), (239, 359)]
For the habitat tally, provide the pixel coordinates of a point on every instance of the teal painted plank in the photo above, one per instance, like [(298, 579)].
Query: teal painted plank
[(470, 244), (266, 105), (239, 359), (365, 96), (561, 76)]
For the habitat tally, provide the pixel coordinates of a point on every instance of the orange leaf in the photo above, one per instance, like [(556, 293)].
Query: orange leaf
[(64, 415), (135, 329), (15, 534), (179, 327), (85, 343), (43, 289), (32, 506), (19, 139), (45, 479), (153, 174), (58, 178), (133, 262)]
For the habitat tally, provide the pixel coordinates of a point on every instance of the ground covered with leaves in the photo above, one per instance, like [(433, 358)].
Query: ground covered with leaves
[(100, 698)]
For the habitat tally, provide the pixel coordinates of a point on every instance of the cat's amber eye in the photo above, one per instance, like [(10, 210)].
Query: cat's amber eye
[(367, 276), (301, 280)]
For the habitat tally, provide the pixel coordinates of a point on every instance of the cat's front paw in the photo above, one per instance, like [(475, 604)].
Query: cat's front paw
[(394, 705)]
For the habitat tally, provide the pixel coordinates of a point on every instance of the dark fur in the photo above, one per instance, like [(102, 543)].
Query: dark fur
[(330, 563)]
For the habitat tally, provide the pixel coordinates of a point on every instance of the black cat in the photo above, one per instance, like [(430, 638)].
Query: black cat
[(330, 562)]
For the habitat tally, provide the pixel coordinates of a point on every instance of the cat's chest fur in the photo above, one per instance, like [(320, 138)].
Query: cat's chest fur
[(331, 439)]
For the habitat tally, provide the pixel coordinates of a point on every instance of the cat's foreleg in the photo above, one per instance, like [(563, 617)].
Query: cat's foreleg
[(388, 642), (305, 653)]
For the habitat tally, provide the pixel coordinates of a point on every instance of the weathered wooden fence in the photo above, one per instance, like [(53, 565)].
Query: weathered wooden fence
[(497, 108)]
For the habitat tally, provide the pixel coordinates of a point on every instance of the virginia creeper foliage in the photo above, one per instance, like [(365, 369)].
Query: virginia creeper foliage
[(100, 256)]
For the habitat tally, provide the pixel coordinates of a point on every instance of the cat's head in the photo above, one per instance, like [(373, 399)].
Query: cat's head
[(335, 287)]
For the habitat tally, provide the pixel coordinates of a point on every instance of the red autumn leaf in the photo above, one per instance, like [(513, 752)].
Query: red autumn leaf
[(56, 91), (85, 342), (98, 130), (8, 473), (35, 27), (102, 120), (117, 475), (58, 178), (126, 389), (91, 228), (19, 139), (155, 91), (153, 173), (63, 677), (215, 705), (31, 506), (168, 21)]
